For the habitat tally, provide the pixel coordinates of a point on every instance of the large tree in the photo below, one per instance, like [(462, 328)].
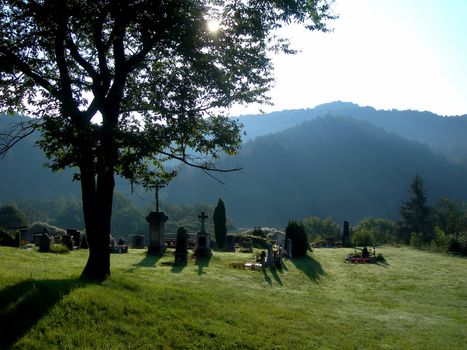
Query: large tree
[(119, 87)]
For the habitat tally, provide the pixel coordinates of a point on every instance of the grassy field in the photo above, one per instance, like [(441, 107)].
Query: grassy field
[(417, 300)]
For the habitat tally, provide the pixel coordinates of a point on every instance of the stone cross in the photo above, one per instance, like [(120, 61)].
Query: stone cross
[(203, 217), (157, 187)]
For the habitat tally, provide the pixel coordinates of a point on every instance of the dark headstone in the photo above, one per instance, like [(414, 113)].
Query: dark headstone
[(203, 239), (76, 234), (67, 240), (156, 232), (138, 242), (230, 244), (44, 242), (181, 246), (269, 260)]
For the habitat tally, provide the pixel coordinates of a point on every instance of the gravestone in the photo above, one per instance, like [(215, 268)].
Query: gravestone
[(230, 244), (269, 260), (67, 240), (181, 246), (203, 239), (44, 242), (138, 242), (289, 248), (76, 234), (156, 221)]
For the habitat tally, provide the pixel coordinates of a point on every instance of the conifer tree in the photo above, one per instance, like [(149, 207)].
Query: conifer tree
[(295, 231), (416, 213), (220, 226)]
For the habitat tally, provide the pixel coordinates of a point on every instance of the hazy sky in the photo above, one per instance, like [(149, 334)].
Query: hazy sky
[(401, 54)]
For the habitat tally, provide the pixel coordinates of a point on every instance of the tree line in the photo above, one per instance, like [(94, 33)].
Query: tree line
[(441, 227), (127, 219)]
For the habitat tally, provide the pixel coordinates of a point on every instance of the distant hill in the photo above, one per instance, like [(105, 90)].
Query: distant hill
[(336, 166), (445, 135)]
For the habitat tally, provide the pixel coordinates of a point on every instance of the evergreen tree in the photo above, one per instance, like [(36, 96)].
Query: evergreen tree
[(416, 213), (296, 232), (220, 227)]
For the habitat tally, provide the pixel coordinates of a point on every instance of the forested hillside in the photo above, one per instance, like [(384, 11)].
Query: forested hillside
[(334, 166), (445, 135), (337, 160)]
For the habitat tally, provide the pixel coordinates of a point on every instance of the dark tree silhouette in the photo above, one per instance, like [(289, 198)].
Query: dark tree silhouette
[(220, 224), (122, 86), (295, 231), (346, 237)]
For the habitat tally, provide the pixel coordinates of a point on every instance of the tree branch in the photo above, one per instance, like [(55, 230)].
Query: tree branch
[(204, 167), (17, 132), (26, 70)]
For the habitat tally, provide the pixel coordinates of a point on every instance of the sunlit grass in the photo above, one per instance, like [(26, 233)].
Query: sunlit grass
[(418, 300)]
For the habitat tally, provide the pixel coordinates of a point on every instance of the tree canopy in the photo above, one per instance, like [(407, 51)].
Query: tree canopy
[(123, 86)]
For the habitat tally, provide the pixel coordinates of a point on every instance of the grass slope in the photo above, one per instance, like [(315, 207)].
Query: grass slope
[(418, 300)]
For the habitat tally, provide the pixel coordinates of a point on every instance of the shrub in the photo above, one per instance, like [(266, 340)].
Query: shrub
[(416, 240), (296, 232), (454, 246), (9, 240), (258, 242), (11, 216), (59, 248), (440, 241), (363, 238), (40, 227), (258, 232)]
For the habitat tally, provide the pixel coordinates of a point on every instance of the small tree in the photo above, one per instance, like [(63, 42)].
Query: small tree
[(220, 227), (416, 213), (296, 232)]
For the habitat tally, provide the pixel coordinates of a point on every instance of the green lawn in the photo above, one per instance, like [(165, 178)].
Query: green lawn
[(418, 300)]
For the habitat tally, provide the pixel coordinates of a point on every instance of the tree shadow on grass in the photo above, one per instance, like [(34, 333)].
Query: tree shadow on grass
[(310, 267), (24, 304), (202, 262)]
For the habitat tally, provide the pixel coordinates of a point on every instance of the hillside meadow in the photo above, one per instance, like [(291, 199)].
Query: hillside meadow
[(416, 300)]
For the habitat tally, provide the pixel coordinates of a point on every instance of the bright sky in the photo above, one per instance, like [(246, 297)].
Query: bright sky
[(401, 54)]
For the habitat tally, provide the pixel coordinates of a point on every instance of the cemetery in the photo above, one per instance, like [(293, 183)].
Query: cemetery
[(182, 288)]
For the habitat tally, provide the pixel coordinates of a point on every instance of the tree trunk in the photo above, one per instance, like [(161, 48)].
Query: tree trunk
[(97, 209)]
